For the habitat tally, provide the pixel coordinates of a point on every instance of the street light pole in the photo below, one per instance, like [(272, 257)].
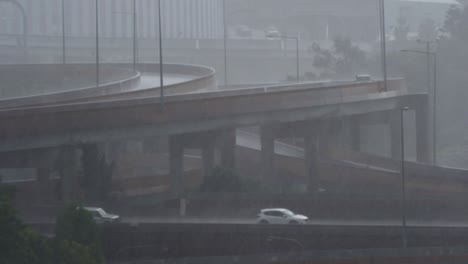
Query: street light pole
[(97, 44), (226, 35), (134, 35), (298, 77), (403, 178), (434, 114), (161, 66), (273, 36), (64, 60), (383, 36)]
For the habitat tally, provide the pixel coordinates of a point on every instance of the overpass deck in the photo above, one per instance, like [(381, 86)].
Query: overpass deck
[(143, 117)]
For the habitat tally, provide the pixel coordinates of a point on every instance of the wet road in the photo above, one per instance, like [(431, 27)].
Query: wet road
[(317, 222), (152, 80)]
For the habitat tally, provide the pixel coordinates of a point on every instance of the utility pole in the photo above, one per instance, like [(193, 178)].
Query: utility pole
[(226, 35), (134, 35), (161, 66), (98, 81), (64, 58), (383, 36)]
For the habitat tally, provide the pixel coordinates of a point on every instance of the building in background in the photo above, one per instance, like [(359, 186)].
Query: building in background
[(315, 20), (182, 19)]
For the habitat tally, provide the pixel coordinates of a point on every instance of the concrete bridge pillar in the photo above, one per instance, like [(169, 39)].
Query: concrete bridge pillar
[(69, 174), (354, 124), (267, 133), (208, 156), (176, 165), (311, 158), (176, 171), (395, 134), (43, 178), (228, 149), (326, 137)]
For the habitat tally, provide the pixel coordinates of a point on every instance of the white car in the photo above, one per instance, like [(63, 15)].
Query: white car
[(280, 216), (100, 216)]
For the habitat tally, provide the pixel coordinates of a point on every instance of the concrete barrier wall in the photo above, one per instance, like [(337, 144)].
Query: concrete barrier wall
[(200, 240), (77, 82), (72, 82), (203, 79), (387, 256)]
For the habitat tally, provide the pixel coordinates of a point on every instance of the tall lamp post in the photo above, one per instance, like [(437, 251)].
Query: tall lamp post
[(161, 66), (383, 36), (429, 53), (225, 33), (98, 81), (275, 36), (404, 235), (64, 58), (134, 16)]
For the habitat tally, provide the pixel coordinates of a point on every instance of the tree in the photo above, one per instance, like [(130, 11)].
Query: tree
[(19, 244), (325, 60), (10, 227), (76, 224), (69, 252), (76, 227), (428, 30), (456, 21), (344, 59), (401, 29)]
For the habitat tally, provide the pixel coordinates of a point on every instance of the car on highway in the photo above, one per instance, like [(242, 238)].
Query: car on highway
[(280, 216), (363, 78), (272, 32), (100, 216)]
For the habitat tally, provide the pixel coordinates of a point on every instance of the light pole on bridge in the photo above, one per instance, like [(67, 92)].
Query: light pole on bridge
[(64, 58), (161, 66)]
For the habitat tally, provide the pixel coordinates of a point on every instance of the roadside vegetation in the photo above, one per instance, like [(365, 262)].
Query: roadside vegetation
[(77, 239)]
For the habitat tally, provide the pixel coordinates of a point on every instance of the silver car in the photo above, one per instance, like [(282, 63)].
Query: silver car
[(101, 216), (280, 216)]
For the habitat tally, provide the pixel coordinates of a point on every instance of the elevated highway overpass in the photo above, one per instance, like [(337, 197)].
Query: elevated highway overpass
[(205, 119), (196, 115)]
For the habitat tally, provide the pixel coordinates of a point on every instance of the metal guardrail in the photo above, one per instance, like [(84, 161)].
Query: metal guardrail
[(118, 81)]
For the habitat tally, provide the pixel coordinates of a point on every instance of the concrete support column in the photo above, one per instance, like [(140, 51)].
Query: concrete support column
[(208, 155), (228, 149), (423, 142), (43, 175), (311, 160), (43, 178), (355, 133), (267, 152), (176, 169), (176, 165), (325, 138), (395, 134), (70, 181)]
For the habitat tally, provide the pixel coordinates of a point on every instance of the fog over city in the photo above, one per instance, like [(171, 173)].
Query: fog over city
[(127, 126)]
